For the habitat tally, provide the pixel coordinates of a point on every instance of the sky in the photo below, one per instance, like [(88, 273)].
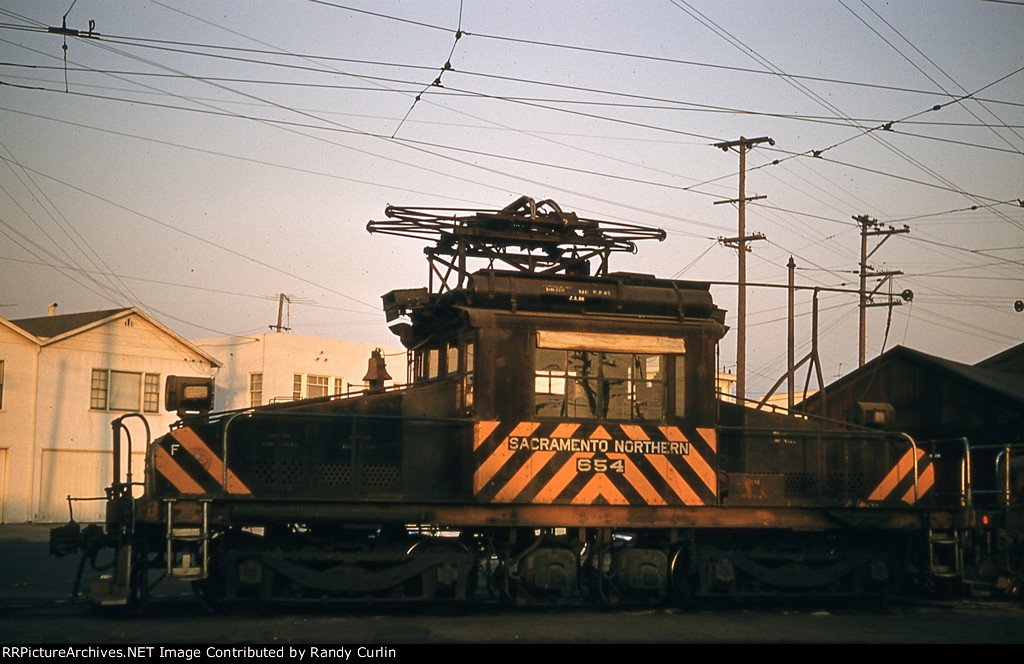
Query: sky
[(197, 159)]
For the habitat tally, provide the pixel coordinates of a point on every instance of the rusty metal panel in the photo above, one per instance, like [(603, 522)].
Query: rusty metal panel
[(807, 468)]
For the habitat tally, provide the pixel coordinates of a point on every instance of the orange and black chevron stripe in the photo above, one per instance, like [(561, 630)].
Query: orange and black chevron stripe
[(188, 464), (898, 483), (573, 463)]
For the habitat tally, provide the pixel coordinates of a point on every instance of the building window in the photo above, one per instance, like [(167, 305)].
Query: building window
[(255, 389), (127, 391), (312, 386), (151, 394), (317, 386), (1, 384)]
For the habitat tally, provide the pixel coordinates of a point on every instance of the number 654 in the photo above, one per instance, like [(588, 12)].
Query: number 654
[(600, 465)]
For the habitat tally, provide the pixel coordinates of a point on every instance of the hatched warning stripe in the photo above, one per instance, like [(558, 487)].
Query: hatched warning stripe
[(898, 483), (191, 467), (574, 463)]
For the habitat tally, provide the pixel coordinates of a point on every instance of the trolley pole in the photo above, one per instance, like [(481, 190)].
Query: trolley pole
[(740, 243)]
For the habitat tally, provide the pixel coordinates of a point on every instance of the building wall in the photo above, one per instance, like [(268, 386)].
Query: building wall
[(17, 422), (278, 357), (58, 444)]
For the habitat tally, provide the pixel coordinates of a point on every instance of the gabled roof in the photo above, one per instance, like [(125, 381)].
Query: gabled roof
[(1006, 384), (46, 327), (1011, 359), (47, 330)]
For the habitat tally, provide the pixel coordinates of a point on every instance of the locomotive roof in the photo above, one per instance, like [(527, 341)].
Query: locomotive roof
[(624, 295)]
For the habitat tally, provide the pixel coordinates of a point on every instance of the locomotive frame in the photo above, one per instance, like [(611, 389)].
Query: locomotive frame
[(559, 435)]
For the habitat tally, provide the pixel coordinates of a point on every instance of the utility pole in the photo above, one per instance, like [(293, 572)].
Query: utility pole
[(280, 327), (871, 227), (740, 243), (790, 337)]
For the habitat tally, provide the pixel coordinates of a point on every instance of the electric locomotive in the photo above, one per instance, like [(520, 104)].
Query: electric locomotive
[(559, 435)]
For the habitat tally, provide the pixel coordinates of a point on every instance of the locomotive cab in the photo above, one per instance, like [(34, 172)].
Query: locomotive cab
[(516, 357)]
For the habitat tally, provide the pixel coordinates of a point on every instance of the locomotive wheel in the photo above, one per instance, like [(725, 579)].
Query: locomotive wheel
[(683, 578), (223, 584), (446, 579), (210, 592), (595, 581)]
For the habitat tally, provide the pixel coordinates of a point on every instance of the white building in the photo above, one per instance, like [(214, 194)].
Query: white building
[(263, 368), (63, 379)]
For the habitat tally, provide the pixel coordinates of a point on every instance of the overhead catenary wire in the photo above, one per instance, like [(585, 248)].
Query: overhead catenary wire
[(800, 218)]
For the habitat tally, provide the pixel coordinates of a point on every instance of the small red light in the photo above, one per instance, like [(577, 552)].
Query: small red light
[(984, 519)]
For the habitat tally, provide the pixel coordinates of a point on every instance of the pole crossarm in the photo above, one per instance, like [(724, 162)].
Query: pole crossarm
[(743, 143)]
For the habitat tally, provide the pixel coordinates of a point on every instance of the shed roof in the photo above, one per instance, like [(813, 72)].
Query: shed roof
[(1005, 384)]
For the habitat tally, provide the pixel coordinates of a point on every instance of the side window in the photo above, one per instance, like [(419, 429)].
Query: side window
[(452, 358), (550, 377), (433, 363), (468, 375), (421, 367), (648, 387), (426, 364), (680, 386), (582, 385)]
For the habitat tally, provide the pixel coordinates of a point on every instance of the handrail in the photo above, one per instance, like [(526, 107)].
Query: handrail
[(1003, 456), (288, 404), (117, 425), (224, 445), (913, 447), (966, 488)]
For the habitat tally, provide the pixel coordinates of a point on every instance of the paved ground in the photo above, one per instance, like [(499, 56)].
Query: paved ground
[(28, 573), (28, 532)]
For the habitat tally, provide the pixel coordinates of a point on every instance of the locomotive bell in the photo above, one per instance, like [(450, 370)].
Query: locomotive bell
[(376, 371)]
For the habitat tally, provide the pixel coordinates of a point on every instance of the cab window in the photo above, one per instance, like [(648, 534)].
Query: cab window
[(601, 385)]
